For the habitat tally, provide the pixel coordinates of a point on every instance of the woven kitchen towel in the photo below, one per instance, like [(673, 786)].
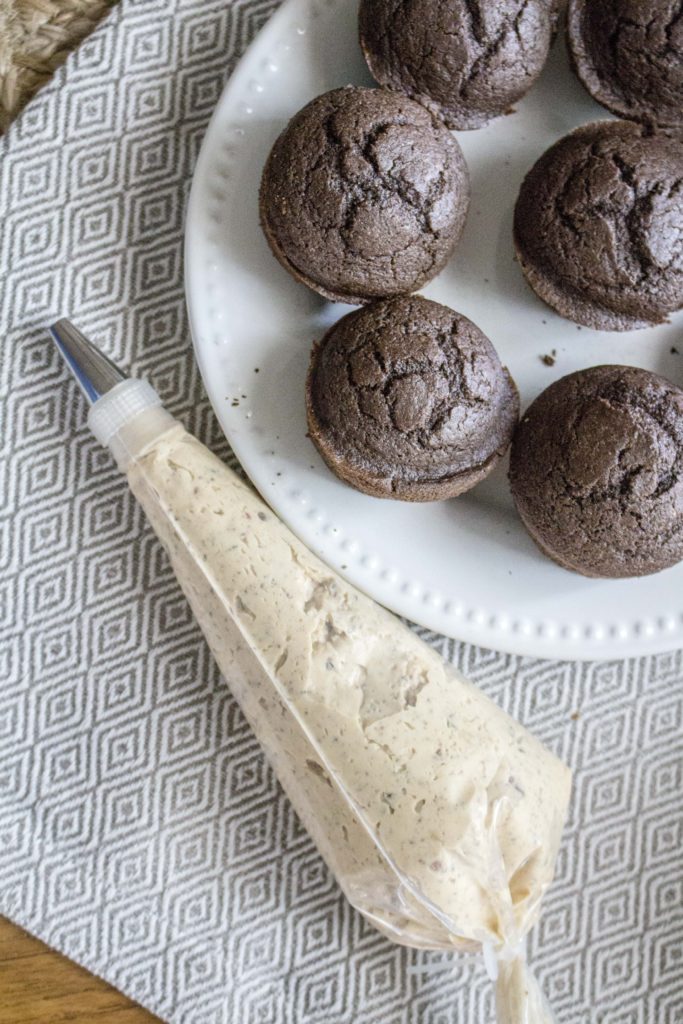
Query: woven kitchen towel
[(141, 832)]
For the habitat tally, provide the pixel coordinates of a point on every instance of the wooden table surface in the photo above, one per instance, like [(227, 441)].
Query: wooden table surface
[(39, 986)]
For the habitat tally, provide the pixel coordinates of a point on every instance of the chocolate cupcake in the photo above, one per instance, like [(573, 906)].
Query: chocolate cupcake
[(466, 62), (598, 226), (596, 471), (364, 195), (629, 55), (407, 399)]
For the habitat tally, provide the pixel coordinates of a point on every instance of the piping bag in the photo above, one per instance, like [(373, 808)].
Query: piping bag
[(439, 815)]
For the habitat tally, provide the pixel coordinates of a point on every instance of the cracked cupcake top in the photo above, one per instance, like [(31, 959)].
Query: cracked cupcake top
[(599, 226), (467, 60), (364, 195), (408, 399), (596, 471), (629, 55)]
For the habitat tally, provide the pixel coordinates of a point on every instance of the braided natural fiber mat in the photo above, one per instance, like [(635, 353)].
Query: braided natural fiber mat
[(35, 38)]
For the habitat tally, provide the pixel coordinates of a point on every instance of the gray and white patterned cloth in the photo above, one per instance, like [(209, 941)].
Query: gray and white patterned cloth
[(141, 832)]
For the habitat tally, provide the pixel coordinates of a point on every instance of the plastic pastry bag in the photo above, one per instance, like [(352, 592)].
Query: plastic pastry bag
[(439, 815)]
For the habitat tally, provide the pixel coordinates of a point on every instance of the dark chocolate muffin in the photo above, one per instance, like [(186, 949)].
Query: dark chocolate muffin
[(599, 226), (596, 471), (629, 55), (364, 195), (407, 399), (467, 62)]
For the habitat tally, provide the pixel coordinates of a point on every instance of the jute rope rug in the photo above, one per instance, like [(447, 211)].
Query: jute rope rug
[(35, 38)]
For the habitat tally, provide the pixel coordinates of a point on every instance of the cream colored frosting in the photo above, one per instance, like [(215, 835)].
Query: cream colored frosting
[(440, 815)]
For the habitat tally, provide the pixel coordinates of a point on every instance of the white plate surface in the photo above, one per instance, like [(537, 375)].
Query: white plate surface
[(466, 567)]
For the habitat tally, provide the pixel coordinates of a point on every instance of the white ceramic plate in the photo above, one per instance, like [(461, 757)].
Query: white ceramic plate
[(466, 567)]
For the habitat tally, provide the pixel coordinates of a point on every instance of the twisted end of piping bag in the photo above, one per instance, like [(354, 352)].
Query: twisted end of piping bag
[(117, 402), (519, 999), (518, 996)]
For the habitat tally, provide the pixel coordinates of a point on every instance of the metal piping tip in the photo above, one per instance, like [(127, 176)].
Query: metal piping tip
[(94, 373)]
